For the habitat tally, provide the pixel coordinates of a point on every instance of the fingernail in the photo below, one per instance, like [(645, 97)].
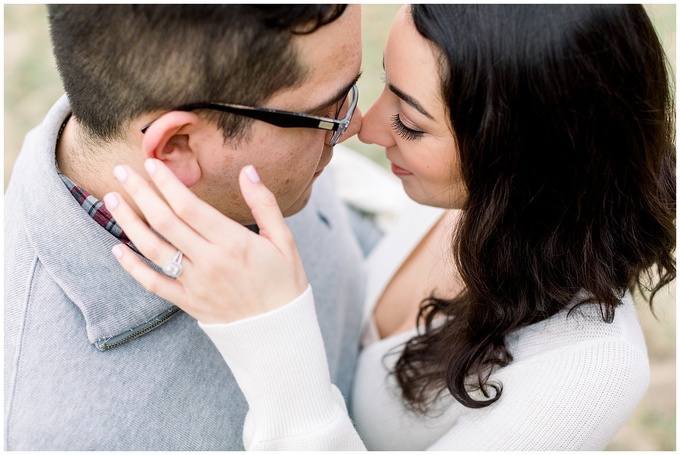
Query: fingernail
[(252, 174), (117, 251), (150, 165), (120, 173), (111, 201)]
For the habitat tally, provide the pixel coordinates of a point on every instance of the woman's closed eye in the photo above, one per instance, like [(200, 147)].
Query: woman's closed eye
[(404, 131)]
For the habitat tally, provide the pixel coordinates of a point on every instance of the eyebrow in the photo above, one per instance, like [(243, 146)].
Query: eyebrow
[(337, 97), (410, 101), (407, 99)]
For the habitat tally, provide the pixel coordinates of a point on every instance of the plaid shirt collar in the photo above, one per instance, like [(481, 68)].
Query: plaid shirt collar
[(96, 209)]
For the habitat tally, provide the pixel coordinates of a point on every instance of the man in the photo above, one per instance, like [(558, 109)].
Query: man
[(92, 360)]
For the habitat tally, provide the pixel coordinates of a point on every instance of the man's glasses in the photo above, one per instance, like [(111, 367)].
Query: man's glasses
[(285, 119)]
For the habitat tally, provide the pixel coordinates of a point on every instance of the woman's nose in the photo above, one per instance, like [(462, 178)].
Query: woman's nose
[(374, 127)]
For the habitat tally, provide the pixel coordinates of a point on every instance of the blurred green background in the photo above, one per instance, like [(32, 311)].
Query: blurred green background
[(32, 85)]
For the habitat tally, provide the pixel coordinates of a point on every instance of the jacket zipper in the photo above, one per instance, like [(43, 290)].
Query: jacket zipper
[(111, 342)]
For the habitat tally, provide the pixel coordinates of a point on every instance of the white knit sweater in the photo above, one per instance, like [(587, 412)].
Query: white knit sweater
[(573, 382)]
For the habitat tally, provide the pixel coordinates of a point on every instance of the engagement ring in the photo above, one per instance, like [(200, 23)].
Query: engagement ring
[(173, 268)]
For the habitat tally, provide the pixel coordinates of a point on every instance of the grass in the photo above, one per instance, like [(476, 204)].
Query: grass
[(32, 85)]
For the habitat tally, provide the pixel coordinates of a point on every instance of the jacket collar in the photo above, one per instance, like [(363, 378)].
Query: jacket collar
[(73, 248)]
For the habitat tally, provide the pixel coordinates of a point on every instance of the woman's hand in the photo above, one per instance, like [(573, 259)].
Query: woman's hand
[(229, 272)]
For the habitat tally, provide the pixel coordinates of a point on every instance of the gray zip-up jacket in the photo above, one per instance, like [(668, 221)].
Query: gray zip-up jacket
[(95, 362)]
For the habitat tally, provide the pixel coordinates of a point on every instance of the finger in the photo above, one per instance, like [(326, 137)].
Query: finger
[(158, 214), (161, 285), (198, 214), (145, 240), (265, 209)]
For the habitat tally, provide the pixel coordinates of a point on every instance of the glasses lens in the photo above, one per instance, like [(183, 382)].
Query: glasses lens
[(345, 104), (342, 106), (345, 113)]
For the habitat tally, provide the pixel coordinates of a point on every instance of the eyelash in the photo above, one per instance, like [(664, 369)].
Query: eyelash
[(331, 113), (404, 131)]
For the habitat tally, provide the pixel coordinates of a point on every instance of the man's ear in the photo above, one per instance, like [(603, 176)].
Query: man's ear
[(167, 139)]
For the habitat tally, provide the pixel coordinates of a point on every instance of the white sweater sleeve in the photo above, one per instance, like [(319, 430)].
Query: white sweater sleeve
[(279, 361)]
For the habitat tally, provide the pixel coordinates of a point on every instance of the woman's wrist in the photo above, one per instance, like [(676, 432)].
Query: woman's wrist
[(279, 361)]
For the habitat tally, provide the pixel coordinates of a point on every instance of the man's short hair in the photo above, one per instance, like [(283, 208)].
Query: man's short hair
[(118, 62)]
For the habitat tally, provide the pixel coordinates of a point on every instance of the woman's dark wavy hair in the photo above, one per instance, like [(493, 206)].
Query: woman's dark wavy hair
[(564, 119)]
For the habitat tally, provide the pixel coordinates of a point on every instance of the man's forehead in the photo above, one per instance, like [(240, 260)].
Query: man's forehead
[(331, 57), (333, 97)]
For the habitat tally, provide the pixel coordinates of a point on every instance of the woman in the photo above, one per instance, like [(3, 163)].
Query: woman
[(502, 320)]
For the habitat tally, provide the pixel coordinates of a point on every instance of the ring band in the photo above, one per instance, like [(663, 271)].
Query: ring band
[(173, 268)]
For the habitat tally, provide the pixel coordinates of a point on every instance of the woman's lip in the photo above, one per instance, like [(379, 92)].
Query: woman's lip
[(399, 171)]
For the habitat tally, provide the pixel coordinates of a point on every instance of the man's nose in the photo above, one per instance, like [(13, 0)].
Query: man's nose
[(354, 125)]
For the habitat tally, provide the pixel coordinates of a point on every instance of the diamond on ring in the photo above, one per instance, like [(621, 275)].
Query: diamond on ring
[(173, 268)]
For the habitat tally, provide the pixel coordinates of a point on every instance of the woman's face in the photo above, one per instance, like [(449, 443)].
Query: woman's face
[(409, 119)]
